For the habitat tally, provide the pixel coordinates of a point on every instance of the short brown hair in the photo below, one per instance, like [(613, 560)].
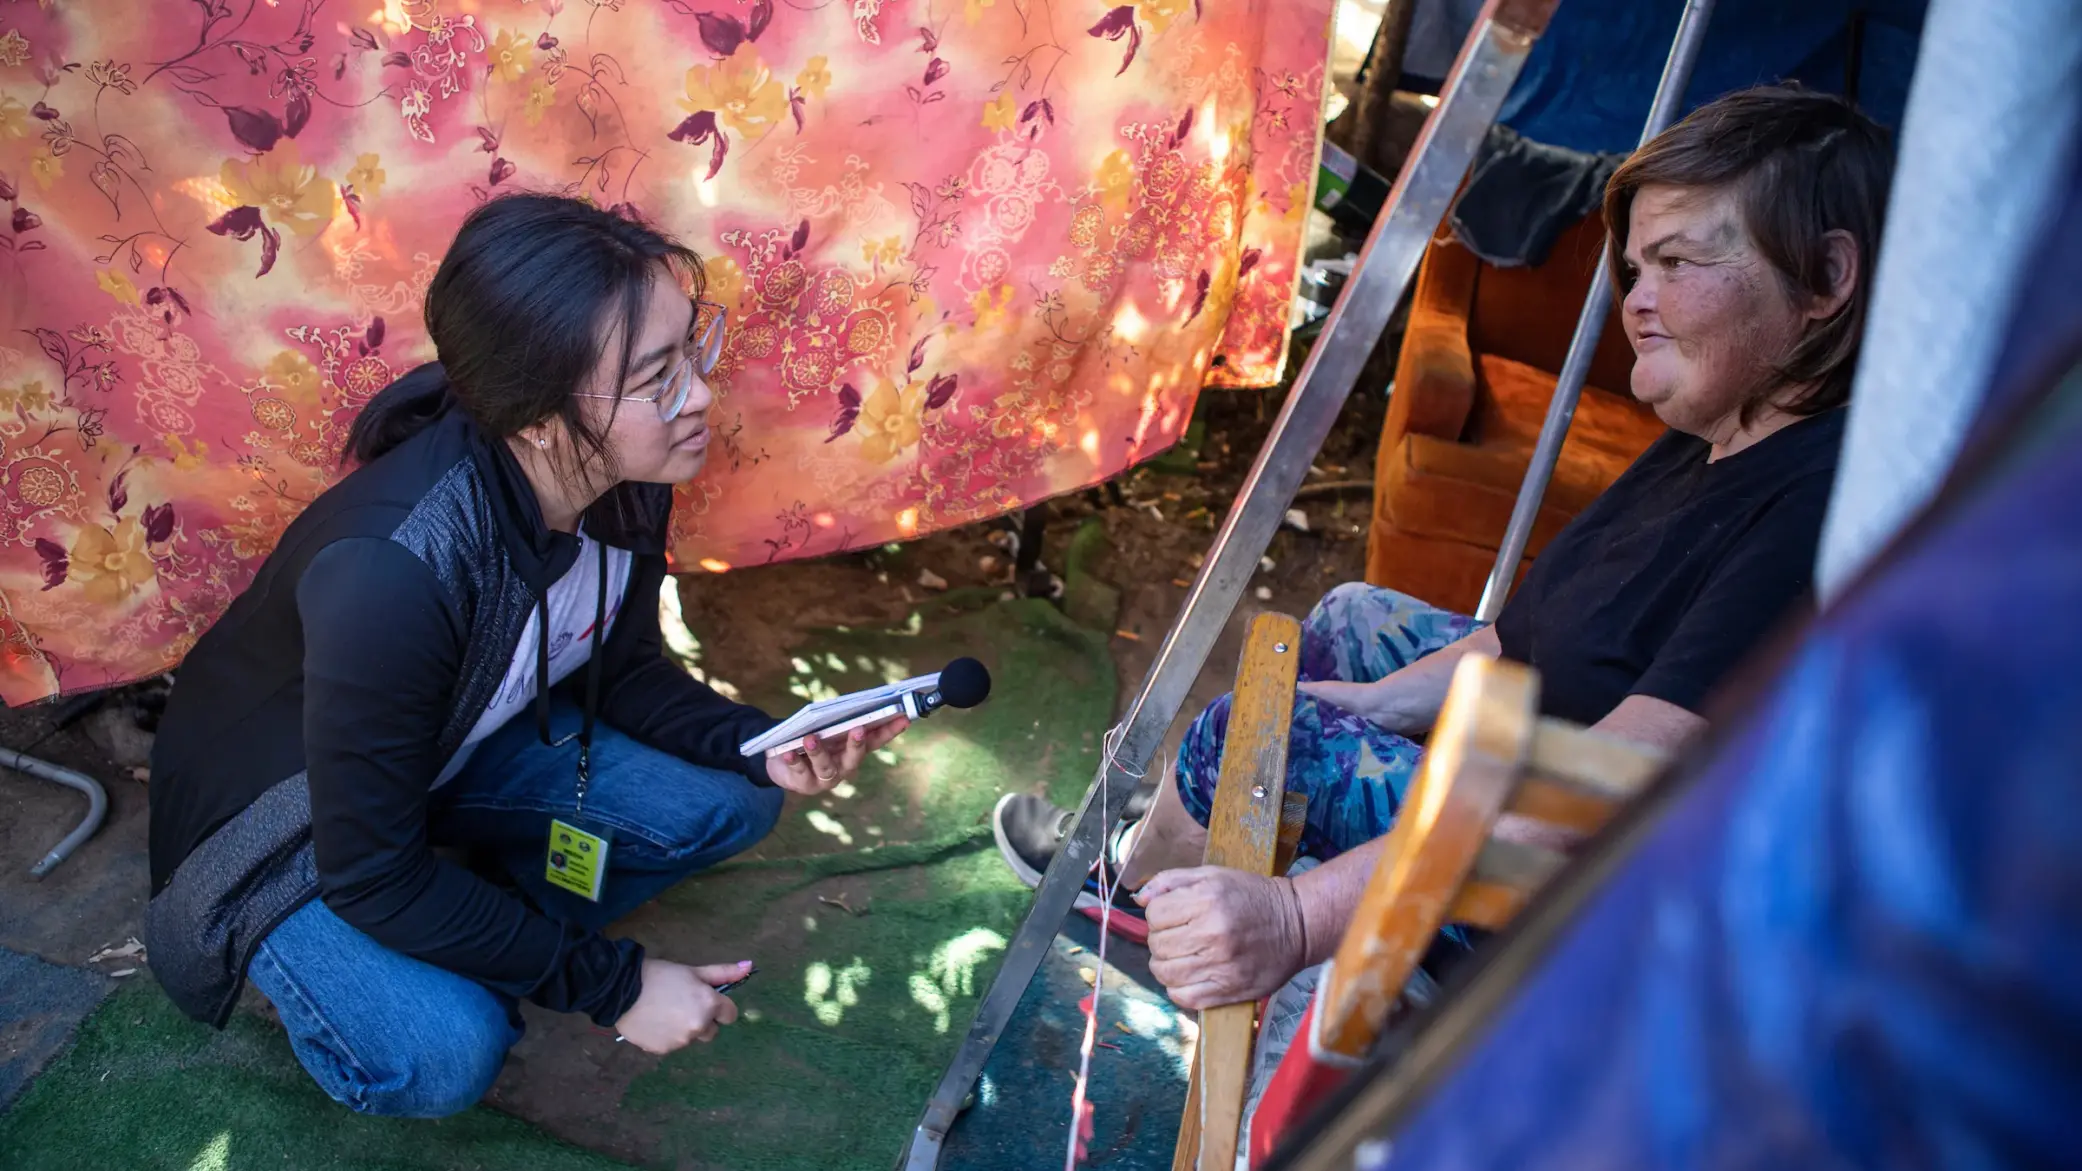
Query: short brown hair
[(1804, 164)]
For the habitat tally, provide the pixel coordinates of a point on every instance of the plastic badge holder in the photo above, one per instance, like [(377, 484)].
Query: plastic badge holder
[(860, 707)]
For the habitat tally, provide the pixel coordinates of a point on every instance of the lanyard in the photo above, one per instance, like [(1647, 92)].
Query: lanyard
[(584, 735)]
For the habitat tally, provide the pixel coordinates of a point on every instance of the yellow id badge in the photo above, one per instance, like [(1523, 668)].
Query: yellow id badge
[(577, 860)]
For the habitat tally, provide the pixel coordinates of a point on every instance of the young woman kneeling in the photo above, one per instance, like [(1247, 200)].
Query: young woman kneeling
[(457, 646)]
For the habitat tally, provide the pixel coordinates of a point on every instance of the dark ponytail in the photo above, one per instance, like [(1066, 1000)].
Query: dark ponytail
[(520, 312), (399, 411)]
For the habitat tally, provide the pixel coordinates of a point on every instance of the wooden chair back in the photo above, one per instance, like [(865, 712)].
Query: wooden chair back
[(1500, 796), (1493, 762)]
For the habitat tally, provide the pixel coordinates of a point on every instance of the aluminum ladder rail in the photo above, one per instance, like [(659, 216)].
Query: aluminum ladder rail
[(1489, 62), (1590, 325)]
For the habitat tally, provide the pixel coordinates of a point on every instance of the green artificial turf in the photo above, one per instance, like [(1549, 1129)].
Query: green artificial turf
[(146, 1089), (879, 914)]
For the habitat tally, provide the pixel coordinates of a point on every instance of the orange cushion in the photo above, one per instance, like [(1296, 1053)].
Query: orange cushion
[(1465, 490), (1609, 431), (1459, 492), (1445, 573)]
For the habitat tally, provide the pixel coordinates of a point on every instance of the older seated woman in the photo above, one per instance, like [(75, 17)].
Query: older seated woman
[(1743, 240)]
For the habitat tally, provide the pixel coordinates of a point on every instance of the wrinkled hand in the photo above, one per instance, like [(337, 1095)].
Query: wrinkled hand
[(1361, 699), (679, 1005), (1220, 936), (818, 765)]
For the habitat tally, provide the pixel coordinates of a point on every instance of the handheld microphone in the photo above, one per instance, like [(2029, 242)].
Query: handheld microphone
[(963, 683)]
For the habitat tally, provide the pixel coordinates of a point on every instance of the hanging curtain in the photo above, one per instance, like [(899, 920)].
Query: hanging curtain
[(976, 253)]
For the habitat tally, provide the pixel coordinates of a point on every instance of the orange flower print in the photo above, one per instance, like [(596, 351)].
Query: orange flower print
[(295, 376), (1158, 14), (511, 55), (110, 565), (740, 89), (815, 77), (46, 168), (187, 459), (14, 47), (723, 281), (116, 285), (14, 118), (366, 176), (283, 188), (1115, 175), (541, 96), (1001, 112), (991, 306), (889, 421)]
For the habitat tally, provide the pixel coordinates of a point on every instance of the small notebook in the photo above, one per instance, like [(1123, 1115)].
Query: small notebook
[(825, 713)]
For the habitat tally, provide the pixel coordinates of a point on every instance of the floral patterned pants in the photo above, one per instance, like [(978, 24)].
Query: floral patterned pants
[(1353, 771)]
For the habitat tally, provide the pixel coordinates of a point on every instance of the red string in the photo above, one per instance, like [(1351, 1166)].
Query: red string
[(1081, 1114)]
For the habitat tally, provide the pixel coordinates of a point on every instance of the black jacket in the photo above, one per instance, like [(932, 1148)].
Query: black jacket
[(367, 647)]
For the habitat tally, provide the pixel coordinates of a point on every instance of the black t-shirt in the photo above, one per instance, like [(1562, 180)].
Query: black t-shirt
[(1682, 567)]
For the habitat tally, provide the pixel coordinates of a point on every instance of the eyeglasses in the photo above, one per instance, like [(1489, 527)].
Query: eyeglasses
[(705, 350)]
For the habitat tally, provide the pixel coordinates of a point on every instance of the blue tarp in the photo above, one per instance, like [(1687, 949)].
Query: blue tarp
[(1588, 82)]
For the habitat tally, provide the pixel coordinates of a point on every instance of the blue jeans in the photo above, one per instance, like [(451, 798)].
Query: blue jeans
[(387, 1034)]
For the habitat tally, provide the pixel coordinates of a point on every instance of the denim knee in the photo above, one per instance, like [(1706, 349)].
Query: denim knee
[(713, 816), (447, 1074)]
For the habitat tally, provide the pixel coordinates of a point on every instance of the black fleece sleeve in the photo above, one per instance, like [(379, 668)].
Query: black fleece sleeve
[(654, 700), (382, 652)]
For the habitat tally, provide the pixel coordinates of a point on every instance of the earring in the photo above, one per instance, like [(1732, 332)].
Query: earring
[(542, 441)]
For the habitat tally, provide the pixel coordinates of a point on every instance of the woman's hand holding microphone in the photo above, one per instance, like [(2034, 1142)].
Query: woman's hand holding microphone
[(819, 765)]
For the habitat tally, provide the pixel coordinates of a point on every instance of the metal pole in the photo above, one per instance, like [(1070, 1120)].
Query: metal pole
[(1488, 65), (1590, 325)]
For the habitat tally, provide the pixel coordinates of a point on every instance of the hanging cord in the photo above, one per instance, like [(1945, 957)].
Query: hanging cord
[(584, 735), (1081, 1122)]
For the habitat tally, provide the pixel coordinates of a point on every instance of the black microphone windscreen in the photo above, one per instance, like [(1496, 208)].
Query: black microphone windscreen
[(964, 683)]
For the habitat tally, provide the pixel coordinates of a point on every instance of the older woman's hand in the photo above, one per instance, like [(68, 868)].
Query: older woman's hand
[(1220, 936), (818, 766)]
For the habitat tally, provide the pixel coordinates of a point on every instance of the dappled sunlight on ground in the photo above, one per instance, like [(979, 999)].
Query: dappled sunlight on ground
[(216, 1156), (952, 972)]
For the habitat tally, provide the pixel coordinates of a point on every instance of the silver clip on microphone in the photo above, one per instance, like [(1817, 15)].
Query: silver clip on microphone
[(964, 683)]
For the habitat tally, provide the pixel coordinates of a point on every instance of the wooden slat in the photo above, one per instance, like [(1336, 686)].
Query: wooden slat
[(1487, 905), (1293, 821), (1561, 806), (1186, 1156), (1483, 735), (1612, 769), (1505, 878), (1243, 834), (1511, 864), (1243, 829)]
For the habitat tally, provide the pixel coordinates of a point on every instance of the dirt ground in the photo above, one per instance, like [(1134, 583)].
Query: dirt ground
[(1157, 531), (1156, 527)]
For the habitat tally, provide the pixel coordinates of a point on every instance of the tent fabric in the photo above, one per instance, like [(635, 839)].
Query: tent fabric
[(1985, 153), (976, 254)]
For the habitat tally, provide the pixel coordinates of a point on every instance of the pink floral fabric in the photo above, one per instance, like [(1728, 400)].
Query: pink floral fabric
[(976, 253)]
